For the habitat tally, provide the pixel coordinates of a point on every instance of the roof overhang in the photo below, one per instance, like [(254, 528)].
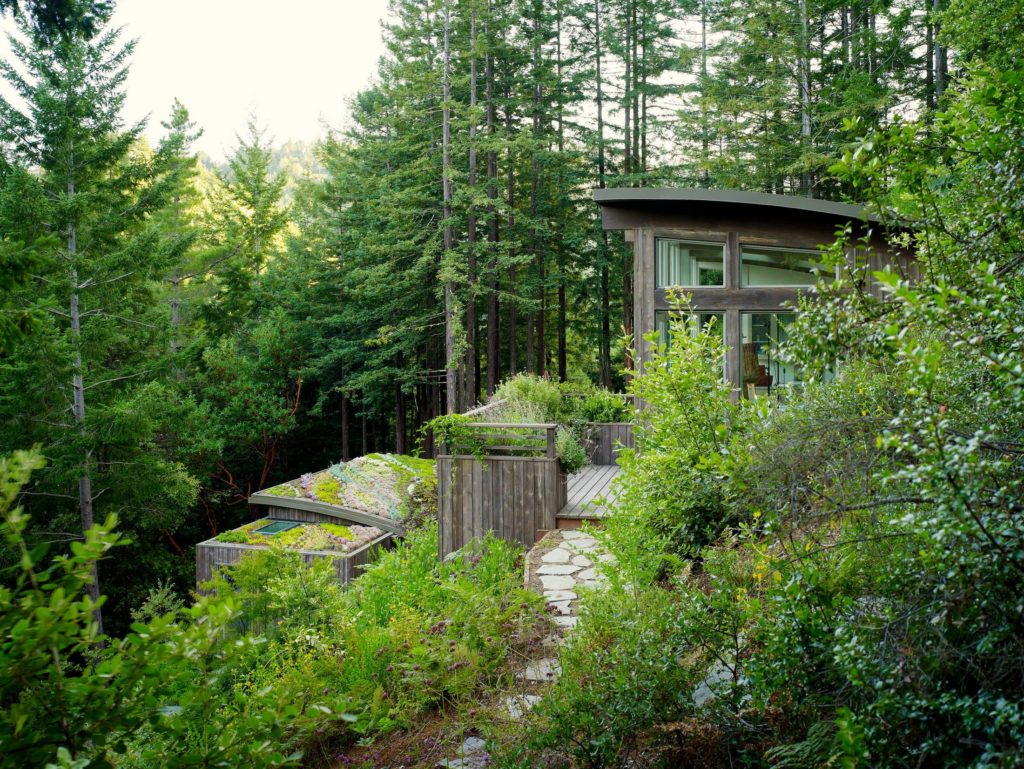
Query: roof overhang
[(672, 197)]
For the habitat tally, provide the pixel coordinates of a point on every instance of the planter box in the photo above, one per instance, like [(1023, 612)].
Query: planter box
[(212, 554)]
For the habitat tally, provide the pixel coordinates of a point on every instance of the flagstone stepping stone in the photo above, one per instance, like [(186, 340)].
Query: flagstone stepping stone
[(582, 545), (582, 560), (570, 534), (557, 582), (471, 754), (587, 575), (560, 595), (519, 705), (566, 623), (558, 568), (546, 669), (606, 558), (558, 555), (562, 607)]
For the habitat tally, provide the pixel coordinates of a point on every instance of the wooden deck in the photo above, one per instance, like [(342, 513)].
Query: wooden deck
[(586, 486)]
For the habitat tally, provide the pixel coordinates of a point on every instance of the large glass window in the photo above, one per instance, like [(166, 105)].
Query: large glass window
[(779, 267), (688, 264), (704, 320), (762, 333)]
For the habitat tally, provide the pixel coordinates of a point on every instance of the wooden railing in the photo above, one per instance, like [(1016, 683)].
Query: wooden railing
[(506, 439)]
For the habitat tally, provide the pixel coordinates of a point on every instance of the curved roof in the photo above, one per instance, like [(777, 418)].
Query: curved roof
[(629, 195)]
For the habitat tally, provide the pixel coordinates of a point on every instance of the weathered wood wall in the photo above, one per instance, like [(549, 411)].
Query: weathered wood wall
[(514, 497), (211, 554), (604, 439)]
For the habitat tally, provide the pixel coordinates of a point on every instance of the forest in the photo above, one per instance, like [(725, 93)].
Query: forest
[(176, 335)]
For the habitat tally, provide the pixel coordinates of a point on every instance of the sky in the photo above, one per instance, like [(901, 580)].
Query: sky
[(292, 63)]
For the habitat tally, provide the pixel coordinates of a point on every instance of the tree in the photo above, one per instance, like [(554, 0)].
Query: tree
[(246, 223), (92, 188)]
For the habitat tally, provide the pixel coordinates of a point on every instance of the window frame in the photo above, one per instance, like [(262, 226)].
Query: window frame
[(742, 284), (723, 245)]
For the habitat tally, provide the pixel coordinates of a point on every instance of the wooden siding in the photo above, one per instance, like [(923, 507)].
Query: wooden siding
[(604, 439), (513, 497), (592, 483), (211, 554)]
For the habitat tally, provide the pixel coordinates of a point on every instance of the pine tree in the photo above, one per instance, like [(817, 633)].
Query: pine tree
[(248, 217), (99, 353)]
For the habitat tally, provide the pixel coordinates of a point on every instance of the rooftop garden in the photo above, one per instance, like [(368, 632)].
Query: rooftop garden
[(302, 536), (396, 487)]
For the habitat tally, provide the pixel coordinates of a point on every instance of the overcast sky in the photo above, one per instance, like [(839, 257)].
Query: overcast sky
[(292, 62)]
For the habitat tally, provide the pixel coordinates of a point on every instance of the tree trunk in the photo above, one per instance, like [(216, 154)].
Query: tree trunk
[(493, 308), (705, 129), (606, 336), (346, 451), (471, 351), (804, 65), (400, 431), (451, 361), (513, 305), (941, 56), (627, 164), (562, 195), (85, 502)]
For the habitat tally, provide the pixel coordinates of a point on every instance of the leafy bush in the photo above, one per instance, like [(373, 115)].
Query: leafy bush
[(571, 454), (621, 673), (672, 495), (599, 405), (73, 697), (528, 394)]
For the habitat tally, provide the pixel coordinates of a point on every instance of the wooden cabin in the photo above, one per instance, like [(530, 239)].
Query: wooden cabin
[(744, 257)]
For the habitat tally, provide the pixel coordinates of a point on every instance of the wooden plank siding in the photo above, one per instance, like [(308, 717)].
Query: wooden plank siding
[(514, 497), (212, 554)]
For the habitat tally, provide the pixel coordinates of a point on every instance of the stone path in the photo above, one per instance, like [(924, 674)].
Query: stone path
[(558, 567)]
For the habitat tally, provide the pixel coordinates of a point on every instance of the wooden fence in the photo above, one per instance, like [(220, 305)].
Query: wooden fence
[(604, 439), (510, 485)]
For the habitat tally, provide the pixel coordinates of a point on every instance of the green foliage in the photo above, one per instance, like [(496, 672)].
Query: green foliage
[(409, 634), (529, 394), (599, 405), (75, 697), (571, 455), (671, 491), (621, 674)]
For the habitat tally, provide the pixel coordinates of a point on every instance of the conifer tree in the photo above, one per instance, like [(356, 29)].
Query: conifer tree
[(99, 352)]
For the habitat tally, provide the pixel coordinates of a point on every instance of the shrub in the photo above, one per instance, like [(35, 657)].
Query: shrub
[(622, 672), (73, 697), (571, 455), (672, 496), (599, 405), (528, 398)]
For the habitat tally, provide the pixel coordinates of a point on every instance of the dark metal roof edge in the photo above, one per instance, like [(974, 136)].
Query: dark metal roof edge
[(613, 195)]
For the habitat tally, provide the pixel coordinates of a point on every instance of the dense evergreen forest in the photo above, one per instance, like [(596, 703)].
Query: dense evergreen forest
[(176, 334), (209, 339)]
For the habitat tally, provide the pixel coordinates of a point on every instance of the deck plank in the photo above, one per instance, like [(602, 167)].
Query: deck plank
[(585, 486)]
